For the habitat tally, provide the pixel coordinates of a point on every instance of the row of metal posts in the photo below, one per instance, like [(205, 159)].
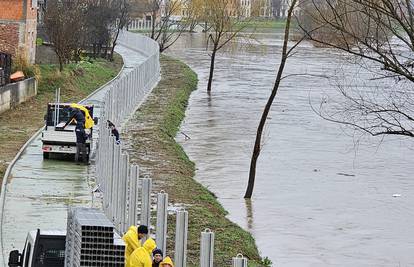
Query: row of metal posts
[(140, 24), (125, 196)]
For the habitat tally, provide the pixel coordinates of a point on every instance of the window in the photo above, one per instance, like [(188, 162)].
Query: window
[(34, 3)]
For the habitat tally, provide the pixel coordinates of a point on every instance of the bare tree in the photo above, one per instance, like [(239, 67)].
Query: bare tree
[(63, 24), (286, 52), (101, 17), (380, 34), (176, 17), (221, 16), (121, 20)]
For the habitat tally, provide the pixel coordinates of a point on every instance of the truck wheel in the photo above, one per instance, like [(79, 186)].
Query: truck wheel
[(46, 155)]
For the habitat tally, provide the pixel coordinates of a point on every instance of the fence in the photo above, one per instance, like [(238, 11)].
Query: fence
[(140, 25), (116, 177), (126, 198)]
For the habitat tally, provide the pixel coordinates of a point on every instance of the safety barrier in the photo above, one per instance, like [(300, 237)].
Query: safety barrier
[(117, 178), (127, 198), (140, 24)]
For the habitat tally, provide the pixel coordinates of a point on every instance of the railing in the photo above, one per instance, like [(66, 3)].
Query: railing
[(139, 24)]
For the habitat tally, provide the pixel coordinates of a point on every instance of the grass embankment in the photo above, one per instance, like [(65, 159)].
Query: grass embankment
[(149, 136), (76, 81), (263, 26)]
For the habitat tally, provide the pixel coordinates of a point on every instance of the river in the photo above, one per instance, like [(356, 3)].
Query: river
[(323, 196)]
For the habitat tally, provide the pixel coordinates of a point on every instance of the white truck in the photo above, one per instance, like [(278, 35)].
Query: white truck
[(89, 240), (42, 248), (58, 140)]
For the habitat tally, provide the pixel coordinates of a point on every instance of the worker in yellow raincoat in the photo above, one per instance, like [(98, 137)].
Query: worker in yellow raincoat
[(167, 262), (132, 239), (141, 257), (89, 123)]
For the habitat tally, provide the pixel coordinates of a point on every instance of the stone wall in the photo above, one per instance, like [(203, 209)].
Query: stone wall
[(15, 93)]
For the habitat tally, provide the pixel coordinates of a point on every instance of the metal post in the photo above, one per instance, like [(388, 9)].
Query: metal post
[(124, 190), (133, 195), (239, 261), (118, 189), (207, 248), (181, 239), (115, 177), (146, 202), (162, 214)]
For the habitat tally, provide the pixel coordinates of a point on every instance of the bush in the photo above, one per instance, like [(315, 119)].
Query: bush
[(20, 63), (39, 41)]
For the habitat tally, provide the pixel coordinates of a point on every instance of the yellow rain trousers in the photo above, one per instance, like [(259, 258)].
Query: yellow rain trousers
[(89, 123), (141, 257), (167, 262)]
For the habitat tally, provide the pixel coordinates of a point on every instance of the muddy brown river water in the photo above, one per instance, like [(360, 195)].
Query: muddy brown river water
[(323, 197)]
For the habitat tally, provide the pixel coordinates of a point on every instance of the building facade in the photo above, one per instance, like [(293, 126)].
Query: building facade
[(18, 19)]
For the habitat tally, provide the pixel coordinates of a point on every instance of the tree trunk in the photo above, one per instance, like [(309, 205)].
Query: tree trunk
[(60, 63), (111, 57), (154, 14), (257, 143), (210, 78)]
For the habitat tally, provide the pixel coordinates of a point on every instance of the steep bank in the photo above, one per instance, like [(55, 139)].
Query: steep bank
[(76, 81), (149, 136)]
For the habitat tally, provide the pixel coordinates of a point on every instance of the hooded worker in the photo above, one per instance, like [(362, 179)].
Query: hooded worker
[(167, 262), (141, 257), (133, 238), (76, 113)]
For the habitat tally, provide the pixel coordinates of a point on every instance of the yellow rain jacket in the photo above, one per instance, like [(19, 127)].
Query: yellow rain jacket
[(89, 123), (141, 257), (131, 241), (167, 261)]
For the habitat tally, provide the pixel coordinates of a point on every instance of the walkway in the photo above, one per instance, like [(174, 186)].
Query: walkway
[(40, 192)]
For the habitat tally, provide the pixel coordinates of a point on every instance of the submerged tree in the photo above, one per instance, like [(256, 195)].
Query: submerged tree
[(286, 52), (176, 17), (223, 26), (379, 34)]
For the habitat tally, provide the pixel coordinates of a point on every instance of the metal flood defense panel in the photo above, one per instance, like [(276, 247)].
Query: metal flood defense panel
[(162, 217), (91, 240), (207, 248), (239, 261), (181, 231)]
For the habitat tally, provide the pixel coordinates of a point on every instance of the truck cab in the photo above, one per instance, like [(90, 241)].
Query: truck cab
[(42, 249), (59, 140)]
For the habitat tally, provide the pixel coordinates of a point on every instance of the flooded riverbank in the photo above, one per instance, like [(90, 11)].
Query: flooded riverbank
[(322, 197)]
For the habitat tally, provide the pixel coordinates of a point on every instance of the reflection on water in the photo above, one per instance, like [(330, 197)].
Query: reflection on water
[(304, 211), (249, 214)]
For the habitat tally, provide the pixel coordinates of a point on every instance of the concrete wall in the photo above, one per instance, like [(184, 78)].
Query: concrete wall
[(15, 93)]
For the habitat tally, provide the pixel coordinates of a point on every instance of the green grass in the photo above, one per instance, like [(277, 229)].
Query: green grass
[(151, 133), (256, 25)]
